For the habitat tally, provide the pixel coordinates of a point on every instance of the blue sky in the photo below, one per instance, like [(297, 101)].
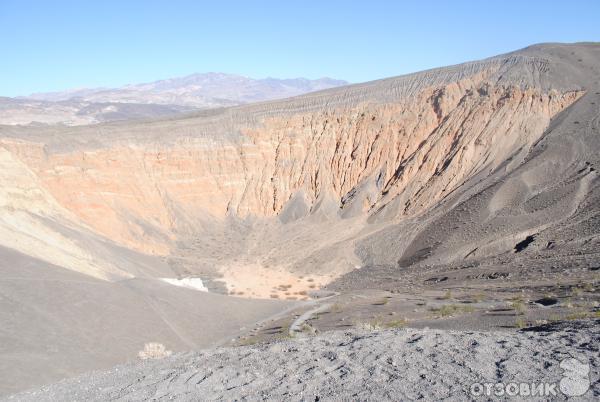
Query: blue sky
[(55, 45)]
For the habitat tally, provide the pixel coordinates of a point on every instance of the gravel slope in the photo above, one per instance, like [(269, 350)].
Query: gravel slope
[(381, 365), (55, 323)]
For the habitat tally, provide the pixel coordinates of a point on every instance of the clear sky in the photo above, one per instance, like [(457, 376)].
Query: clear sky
[(55, 45)]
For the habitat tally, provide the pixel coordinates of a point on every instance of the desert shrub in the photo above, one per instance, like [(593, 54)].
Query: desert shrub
[(447, 295), (307, 329), (248, 341), (576, 291), (519, 307), (397, 323), (581, 315), (374, 325), (381, 302), (520, 322), (554, 318), (568, 302), (154, 350), (588, 287), (479, 297), (449, 310)]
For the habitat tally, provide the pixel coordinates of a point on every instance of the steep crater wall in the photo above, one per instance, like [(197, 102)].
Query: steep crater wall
[(412, 152)]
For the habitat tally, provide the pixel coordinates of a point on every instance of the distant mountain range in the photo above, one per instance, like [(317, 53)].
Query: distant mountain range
[(159, 98)]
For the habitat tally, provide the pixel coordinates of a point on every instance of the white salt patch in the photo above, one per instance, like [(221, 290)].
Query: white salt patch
[(189, 283)]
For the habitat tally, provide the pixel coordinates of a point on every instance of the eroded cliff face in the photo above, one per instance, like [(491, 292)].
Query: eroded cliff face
[(312, 169), (414, 151), (27, 208)]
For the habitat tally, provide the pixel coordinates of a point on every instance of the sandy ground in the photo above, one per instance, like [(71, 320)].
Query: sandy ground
[(57, 323), (254, 281), (363, 365)]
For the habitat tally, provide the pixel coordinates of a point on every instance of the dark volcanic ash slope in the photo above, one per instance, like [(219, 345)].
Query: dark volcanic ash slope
[(378, 366), (533, 218)]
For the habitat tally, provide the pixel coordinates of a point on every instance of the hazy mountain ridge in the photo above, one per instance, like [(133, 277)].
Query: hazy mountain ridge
[(154, 99), (199, 90), (77, 112)]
